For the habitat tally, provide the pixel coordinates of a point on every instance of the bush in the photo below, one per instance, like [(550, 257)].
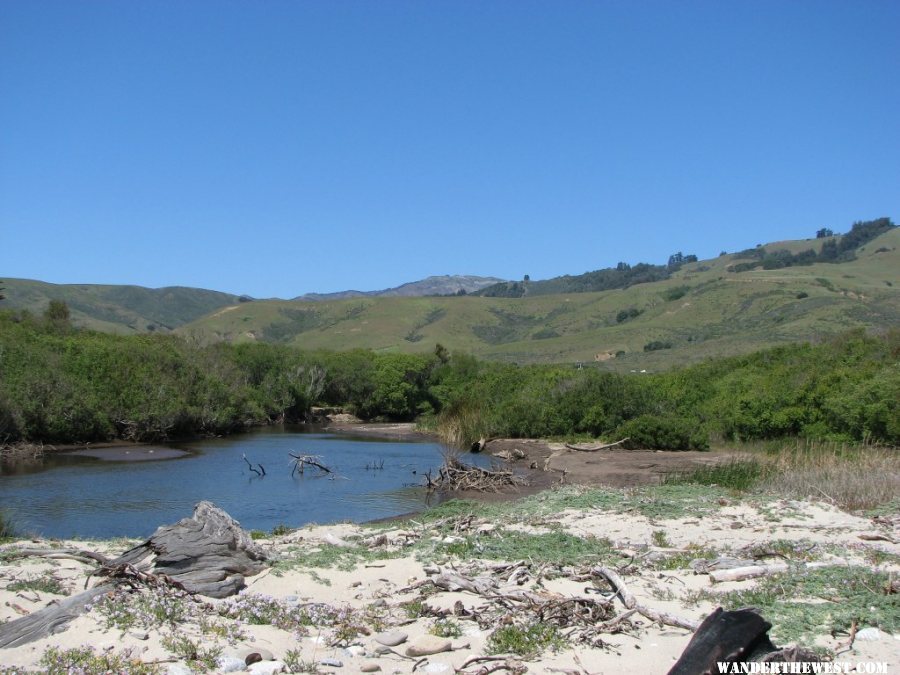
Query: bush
[(626, 314), (663, 433), (675, 293), (657, 345)]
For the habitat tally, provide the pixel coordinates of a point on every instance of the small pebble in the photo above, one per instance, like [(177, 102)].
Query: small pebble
[(425, 645), (334, 663), (178, 669), (230, 664), (254, 655), (391, 638), (868, 634), (266, 668), (139, 634), (370, 668)]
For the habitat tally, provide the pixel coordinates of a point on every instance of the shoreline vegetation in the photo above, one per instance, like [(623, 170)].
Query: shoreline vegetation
[(63, 385)]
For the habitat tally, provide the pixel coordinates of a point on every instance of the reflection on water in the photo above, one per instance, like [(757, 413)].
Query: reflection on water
[(80, 494)]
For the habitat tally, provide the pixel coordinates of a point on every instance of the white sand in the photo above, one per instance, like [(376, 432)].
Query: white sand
[(646, 649)]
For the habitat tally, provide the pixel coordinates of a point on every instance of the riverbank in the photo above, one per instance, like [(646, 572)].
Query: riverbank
[(333, 592)]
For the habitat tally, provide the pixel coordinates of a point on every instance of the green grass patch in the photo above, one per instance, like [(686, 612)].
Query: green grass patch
[(736, 474), (529, 641), (328, 556), (683, 559), (660, 502), (802, 605), (7, 529), (446, 628), (85, 661), (552, 547), (40, 584)]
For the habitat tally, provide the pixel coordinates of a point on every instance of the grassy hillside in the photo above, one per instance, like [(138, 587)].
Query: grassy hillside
[(702, 310), (117, 309)]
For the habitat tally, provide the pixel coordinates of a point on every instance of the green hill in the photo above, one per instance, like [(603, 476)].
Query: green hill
[(117, 309), (702, 309)]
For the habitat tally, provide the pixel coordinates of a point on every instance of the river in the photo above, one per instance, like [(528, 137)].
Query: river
[(130, 491)]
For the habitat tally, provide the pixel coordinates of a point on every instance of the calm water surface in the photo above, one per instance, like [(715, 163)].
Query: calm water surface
[(110, 494)]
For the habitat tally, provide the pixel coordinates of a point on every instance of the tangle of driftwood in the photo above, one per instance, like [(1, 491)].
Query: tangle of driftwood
[(301, 461), (454, 476)]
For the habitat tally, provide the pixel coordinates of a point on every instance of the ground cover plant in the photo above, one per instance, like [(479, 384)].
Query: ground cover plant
[(805, 603)]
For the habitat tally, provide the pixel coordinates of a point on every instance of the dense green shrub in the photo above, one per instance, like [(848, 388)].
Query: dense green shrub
[(663, 433), (656, 345)]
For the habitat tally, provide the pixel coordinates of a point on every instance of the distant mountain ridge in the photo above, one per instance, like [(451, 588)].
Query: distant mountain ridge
[(118, 309), (137, 309), (447, 284)]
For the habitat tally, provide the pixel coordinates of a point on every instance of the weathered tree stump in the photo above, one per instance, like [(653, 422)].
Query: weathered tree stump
[(208, 554)]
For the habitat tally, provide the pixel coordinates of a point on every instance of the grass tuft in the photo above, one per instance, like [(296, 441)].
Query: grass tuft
[(7, 529), (529, 641), (737, 474)]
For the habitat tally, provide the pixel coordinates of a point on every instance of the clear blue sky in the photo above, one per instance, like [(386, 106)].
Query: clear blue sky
[(275, 148)]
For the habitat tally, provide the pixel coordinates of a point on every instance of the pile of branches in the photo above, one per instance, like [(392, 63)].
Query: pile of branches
[(581, 620), (455, 475), (21, 452)]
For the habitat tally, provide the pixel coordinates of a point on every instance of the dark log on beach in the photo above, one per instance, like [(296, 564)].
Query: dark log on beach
[(52, 619), (740, 636), (207, 553), (724, 637)]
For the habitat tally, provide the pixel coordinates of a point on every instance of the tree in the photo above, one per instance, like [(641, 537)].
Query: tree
[(675, 260), (2, 297), (829, 251), (824, 232), (441, 353), (57, 312)]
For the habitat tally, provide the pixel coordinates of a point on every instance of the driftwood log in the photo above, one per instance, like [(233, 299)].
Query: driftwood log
[(595, 448), (54, 618), (208, 554)]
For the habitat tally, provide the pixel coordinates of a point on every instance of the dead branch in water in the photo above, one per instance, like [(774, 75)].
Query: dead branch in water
[(455, 475), (256, 471), (300, 462)]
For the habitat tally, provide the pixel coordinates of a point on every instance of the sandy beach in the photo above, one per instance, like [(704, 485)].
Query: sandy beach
[(335, 594)]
